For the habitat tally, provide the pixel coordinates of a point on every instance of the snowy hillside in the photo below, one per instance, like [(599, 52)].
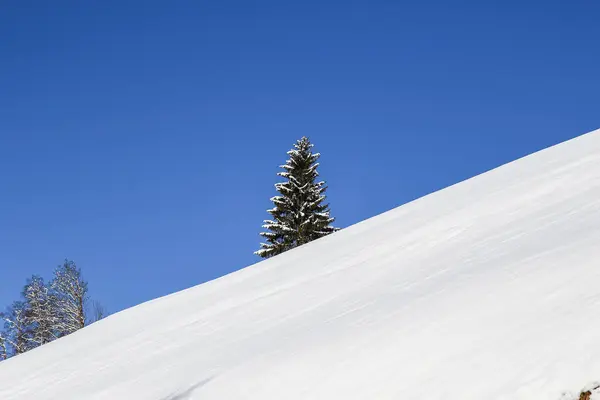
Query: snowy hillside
[(489, 289)]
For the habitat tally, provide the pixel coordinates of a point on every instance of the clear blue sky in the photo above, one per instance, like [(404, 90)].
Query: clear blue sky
[(142, 138)]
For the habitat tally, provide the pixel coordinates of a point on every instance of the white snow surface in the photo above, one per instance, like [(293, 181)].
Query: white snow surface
[(489, 289)]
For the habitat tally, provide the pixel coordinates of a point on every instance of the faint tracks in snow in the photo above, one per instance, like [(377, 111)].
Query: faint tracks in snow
[(188, 392)]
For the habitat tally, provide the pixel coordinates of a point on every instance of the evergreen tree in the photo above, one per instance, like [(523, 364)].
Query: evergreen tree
[(71, 294), (300, 214)]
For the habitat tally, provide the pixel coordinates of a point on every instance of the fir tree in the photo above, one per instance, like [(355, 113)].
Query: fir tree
[(300, 214)]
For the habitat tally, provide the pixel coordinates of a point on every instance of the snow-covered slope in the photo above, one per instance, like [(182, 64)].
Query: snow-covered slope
[(489, 289)]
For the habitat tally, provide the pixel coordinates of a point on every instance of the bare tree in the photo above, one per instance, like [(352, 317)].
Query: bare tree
[(17, 333), (71, 292), (48, 311), (3, 352), (98, 312), (41, 314)]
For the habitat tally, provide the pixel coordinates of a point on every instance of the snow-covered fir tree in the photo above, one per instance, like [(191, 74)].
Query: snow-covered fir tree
[(71, 294), (300, 214), (41, 315)]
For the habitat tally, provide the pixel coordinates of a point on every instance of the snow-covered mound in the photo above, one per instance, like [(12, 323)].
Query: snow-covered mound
[(489, 289)]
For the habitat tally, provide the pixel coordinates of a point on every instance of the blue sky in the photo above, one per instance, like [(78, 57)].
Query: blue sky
[(142, 139)]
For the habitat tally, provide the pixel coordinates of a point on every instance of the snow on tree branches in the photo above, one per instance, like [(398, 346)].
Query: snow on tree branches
[(16, 331), (3, 351), (47, 311), (71, 293), (41, 314), (299, 215)]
